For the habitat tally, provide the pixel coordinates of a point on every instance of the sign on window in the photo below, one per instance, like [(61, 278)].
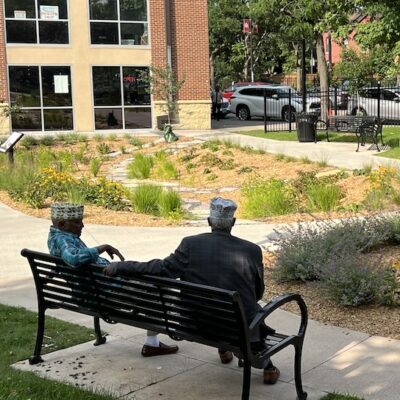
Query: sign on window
[(61, 84), (19, 14), (49, 12)]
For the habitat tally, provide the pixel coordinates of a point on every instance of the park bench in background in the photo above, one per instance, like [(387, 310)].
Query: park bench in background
[(363, 127), (182, 310)]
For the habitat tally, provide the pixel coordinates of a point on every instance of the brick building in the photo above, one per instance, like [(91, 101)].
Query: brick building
[(78, 65)]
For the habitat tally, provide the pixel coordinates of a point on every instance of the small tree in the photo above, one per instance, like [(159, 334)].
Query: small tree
[(165, 86)]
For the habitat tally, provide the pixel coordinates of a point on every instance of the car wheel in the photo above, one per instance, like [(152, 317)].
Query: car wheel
[(243, 113), (286, 115)]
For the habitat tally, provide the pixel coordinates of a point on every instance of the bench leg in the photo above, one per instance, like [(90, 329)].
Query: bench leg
[(301, 395), (358, 143), (36, 358), (99, 339), (246, 380)]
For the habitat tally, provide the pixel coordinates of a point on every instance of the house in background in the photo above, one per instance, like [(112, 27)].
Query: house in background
[(78, 65), (334, 48)]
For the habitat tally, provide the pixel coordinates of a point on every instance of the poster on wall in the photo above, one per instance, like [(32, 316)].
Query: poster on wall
[(61, 84), (49, 12), (19, 14)]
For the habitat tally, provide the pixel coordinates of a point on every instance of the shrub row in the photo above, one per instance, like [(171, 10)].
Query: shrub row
[(333, 253)]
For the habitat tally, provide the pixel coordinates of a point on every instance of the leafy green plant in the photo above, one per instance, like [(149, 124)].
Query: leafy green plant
[(72, 138), (47, 140), (135, 142), (29, 141), (304, 250), (374, 200), (212, 177), (95, 165), (266, 198), (112, 137), (140, 167), (245, 170), (123, 150), (226, 165), (351, 281), (103, 148), (322, 162), (188, 155), (210, 159), (323, 197), (227, 152), (212, 145), (190, 166)]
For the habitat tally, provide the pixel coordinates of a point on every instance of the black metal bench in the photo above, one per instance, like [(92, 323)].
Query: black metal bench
[(182, 310), (363, 127)]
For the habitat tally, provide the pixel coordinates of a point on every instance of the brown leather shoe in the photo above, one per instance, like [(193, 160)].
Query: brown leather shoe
[(226, 357), (161, 350), (271, 375)]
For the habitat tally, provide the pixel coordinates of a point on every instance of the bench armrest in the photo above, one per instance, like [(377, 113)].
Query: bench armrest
[(276, 303)]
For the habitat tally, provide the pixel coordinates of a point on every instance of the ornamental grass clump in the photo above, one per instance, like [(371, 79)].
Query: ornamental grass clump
[(154, 200), (140, 167), (323, 197), (145, 199), (264, 198)]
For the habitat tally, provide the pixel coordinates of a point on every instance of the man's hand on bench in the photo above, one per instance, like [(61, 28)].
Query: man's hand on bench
[(110, 250)]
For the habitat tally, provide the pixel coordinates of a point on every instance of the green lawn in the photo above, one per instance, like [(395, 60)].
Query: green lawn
[(18, 333), (391, 135)]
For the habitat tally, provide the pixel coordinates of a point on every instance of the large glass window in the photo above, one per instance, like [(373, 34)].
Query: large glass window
[(118, 22), (44, 95), (37, 21), (121, 98)]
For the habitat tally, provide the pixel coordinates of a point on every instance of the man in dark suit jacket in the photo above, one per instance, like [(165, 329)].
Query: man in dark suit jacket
[(216, 259)]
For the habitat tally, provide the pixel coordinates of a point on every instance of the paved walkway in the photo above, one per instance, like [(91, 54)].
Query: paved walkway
[(335, 359)]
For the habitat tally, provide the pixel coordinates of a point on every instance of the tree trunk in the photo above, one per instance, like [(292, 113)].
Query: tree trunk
[(323, 76)]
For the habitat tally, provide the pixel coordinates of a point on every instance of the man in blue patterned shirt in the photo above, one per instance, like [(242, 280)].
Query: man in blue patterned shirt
[(64, 241)]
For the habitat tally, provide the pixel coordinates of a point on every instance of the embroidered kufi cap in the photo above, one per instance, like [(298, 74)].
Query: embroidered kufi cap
[(66, 211), (222, 208)]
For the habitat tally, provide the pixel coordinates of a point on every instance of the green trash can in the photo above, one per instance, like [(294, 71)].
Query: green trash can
[(306, 126)]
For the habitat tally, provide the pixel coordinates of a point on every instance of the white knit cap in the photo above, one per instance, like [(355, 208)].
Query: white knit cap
[(65, 211)]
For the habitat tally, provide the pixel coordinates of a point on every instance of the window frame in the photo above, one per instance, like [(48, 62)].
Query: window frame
[(37, 20), (119, 22), (122, 106), (42, 108)]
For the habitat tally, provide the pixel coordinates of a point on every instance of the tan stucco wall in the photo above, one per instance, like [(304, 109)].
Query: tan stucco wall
[(81, 56), (4, 121), (194, 114)]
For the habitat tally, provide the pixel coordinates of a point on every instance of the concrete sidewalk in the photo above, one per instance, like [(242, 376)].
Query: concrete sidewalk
[(334, 359)]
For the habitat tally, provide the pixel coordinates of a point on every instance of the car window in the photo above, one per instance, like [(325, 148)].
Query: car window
[(388, 95), (249, 92), (370, 93)]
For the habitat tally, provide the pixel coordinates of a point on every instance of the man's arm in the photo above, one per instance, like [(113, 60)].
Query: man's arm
[(260, 286), (172, 266)]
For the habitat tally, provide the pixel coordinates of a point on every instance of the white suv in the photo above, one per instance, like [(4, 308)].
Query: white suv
[(366, 103), (248, 101)]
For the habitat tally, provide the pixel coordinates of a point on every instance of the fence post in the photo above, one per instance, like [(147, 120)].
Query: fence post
[(290, 110), (335, 102), (265, 110), (379, 102)]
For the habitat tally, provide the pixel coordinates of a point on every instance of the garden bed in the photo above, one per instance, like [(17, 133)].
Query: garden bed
[(216, 169)]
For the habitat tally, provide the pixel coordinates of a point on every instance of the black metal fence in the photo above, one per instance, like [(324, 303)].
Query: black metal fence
[(278, 104)]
